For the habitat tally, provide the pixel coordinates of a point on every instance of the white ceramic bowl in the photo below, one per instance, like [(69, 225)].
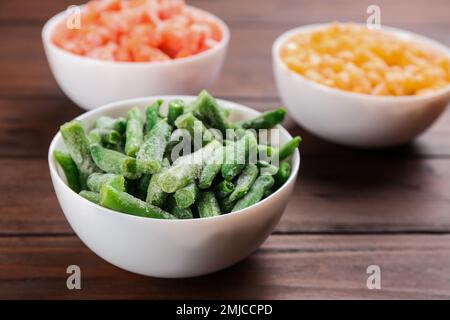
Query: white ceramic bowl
[(169, 248), (90, 83), (356, 119)]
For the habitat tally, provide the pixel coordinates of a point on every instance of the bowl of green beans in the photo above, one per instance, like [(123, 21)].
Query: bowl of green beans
[(174, 186)]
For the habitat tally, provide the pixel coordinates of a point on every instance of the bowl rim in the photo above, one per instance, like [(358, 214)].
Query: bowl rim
[(396, 32), (128, 103), (51, 23)]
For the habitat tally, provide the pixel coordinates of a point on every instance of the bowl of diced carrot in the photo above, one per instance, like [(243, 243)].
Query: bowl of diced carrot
[(109, 50)]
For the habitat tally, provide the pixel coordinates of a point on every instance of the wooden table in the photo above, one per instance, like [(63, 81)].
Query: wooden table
[(350, 209)]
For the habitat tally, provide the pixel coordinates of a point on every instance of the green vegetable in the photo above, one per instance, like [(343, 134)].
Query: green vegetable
[(244, 182), (282, 175), (194, 126), (211, 169), (207, 205), (182, 213), (224, 189), (142, 186), (267, 168), (77, 144), (155, 195), (114, 162), (186, 169), (118, 124), (267, 120), (97, 180), (70, 169), (151, 153), (256, 193), (186, 196), (226, 205), (208, 110), (134, 132), (287, 149), (121, 201), (152, 116), (176, 109), (90, 195), (236, 155), (104, 136)]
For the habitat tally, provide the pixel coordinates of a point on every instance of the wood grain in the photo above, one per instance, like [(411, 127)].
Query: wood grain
[(350, 208), (330, 197), (285, 267)]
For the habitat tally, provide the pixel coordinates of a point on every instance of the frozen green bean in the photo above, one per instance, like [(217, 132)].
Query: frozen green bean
[(207, 205), (134, 132), (226, 205), (176, 109), (244, 182), (155, 195), (211, 169), (117, 124), (186, 196), (90, 195), (267, 168), (224, 189), (104, 136), (142, 186), (236, 155), (77, 144), (194, 126), (256, 192), (152, 115), (121, 201), (209, 111), (97, 180), (282, 175), (112, 161), (267, 120), (187, 168), (151, 152), (182, 213), (287, 149), (70, 169)]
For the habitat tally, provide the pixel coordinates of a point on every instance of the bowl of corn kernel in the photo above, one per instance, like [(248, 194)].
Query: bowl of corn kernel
[(361, 87)]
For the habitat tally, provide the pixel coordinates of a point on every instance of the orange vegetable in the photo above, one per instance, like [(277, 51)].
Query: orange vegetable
[(139, 30)]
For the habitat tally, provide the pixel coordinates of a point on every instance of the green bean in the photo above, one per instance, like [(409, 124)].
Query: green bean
[(104, 136), (151, 153), (223, 189), (70, 169), (244, 182), (121, 201), (155, 195), (194, 126), (89, 195), (176, 109), (211, 169), (182, 213), (267, 120), (236, 155), (187, 168), (97, 180), (77, 144), (265, 150), (152, 115), (186, 196), (226, 205), (118, 124), (142, 186), (282, 175), (287, 149), (256, 192), (267, 168), (207, 205), (134, 132), (208, 110), (114, 162)]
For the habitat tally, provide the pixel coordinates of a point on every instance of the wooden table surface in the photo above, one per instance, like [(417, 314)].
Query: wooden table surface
[(350, 208)]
